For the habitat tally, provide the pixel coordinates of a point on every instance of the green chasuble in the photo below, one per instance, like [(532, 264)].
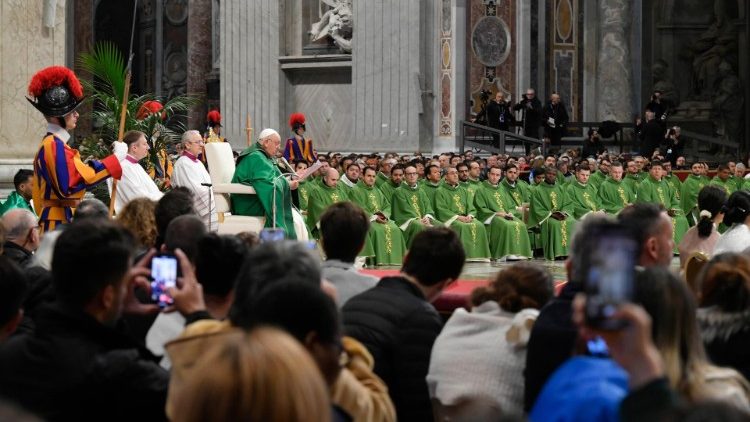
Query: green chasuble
[(554, 234), (739, 183), (15, 200), (632, 181), (614, 196), (659, 192), (303, 191), (453, 201), (320, 199), (381, 178), (257, 169), (583, 199), (597, 179), (408, 207), (472, 186), (429, 189), (729, 185), (387, 189), (345, 184), (689, 196), (386, 238), (674, 184), (507, 237)]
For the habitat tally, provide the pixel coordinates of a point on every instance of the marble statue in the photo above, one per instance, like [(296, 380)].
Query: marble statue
[(717, 43), (337, 22), (663, 83), (728, 103)]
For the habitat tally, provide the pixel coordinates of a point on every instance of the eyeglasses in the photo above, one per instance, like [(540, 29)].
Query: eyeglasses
[(410, 174)]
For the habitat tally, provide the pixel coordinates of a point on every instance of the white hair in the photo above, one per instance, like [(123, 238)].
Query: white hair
[(17, 222), (267, 133), (188, 133)]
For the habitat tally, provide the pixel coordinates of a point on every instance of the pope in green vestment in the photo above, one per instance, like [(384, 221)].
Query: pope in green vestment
[(15, 200), (384, 235), (583, 196), (257, 167), (508, 235), (453, 207), (614, 194), (327, 193), (655, 190), (689, 193), (551, 211), (411, 208)]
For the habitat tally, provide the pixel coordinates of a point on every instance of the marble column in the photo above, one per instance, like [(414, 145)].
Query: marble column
[(83, 41), (613, 76), (199, 58), (25, 47)]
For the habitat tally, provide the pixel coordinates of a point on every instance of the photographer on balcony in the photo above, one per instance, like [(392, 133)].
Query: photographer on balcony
[(531, 112), (496, 114)]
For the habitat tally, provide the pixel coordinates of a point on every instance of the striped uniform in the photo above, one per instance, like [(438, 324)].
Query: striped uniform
[(296, 150), (61, 178)]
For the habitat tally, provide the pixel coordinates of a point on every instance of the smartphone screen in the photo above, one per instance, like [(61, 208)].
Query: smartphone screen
[(609, 276), (272, 235), (163, 276)]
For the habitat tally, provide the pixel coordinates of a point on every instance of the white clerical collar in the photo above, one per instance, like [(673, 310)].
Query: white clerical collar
[(58, 131), (346, 181), (416, 185)]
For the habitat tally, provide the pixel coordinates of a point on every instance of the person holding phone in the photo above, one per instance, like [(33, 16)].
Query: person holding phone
[(80, 363)]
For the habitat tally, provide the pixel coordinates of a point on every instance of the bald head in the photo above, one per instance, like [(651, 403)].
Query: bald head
[(331, 177), (19, 227)]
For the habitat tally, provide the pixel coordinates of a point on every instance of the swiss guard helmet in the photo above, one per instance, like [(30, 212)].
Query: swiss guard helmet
[(296, 121), (56, 91)]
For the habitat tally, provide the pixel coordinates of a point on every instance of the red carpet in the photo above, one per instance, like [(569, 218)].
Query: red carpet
[(455, 296)]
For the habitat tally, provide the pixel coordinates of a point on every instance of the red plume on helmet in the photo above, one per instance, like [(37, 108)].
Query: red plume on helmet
[(56, 91), (150, 107), (214, 118), (296, 120)]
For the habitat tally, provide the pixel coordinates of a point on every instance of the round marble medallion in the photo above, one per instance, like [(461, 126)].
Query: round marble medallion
[(490, 41)]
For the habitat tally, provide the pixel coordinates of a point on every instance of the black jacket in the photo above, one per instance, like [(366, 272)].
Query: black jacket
[(532, 116), (552, 342), (559, 114), (19, 255), (398, 326), (592, 148), (498, 115), (652, 135), (74, 368)]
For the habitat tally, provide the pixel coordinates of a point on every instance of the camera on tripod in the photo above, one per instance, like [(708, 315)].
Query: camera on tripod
[(484, 95)]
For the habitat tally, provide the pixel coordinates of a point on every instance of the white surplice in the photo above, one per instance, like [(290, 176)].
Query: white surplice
[(189, 172), (135, 183)]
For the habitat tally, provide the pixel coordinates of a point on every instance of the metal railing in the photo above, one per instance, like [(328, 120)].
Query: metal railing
[(474, 135)]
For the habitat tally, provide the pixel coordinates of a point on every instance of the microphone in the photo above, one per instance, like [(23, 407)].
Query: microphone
[(207, 184)]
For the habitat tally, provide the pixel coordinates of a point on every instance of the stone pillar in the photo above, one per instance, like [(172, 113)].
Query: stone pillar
[(613, 75), (198, 58), (25, 47), (83, 41)]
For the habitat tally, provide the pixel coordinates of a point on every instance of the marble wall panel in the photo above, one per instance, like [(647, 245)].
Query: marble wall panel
[(25, 47), (199, 57)]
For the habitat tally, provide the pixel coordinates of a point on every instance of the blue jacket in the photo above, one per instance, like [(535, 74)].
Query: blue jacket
[(582, 389)]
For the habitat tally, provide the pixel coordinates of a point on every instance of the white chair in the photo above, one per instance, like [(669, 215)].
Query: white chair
[(221, 168)]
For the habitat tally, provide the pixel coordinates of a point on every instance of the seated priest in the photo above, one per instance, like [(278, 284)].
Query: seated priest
[(509, 237), (655, 190), (453, 206), (135, 182), (411, 208), (321, 197), (551, 210), (583, 195), (190, 172), (614, 194), (386, 239)]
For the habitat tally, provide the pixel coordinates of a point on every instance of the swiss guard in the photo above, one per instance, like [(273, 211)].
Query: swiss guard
[(213, 132), (60, 176), (299, 148)]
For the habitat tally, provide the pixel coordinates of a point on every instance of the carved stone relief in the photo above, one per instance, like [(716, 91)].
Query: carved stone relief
[(337, 23)]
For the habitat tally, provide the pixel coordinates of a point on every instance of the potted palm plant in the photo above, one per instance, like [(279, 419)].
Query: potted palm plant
[(161, 119)]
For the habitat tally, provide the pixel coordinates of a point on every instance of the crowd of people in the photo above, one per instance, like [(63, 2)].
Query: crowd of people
[(266, 329)]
